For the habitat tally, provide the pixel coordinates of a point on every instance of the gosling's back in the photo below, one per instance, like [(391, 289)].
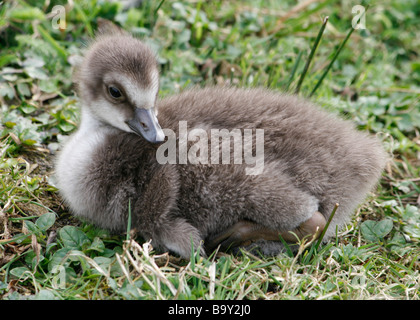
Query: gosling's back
[(321, 154)]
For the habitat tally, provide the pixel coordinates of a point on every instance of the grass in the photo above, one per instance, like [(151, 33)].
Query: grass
[(373, 80)]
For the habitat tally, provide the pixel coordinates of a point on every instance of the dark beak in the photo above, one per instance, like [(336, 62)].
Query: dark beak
[(146, 124)]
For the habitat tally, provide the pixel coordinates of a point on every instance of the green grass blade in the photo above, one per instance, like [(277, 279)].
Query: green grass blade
[(295, 66), (286, 246), (129, 220), (47, 37), (311, 55), (335, 56), (326, 226), (332, 61), (158, 7), (6, 59), (86, 21)]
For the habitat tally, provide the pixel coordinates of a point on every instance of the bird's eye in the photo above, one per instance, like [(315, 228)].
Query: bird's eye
[(114, 92)]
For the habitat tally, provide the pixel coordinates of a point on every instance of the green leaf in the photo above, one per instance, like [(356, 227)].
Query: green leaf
[(54, 44), (32, 227), (10, 124), (6, 91), (27, 108), (73, 238), (31, 258), (46, 221), (59, 258), (34, 62), (29, 142), (6, 59), (108, 265), (66, 127), (397, 241), (97, 245), (413, 230), (376, 230), (36, 73), (24, 90), (28, 13), (20, 272), (49, 85), (44, 294)]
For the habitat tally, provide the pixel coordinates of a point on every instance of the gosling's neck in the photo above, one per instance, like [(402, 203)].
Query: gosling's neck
[(90, 123)]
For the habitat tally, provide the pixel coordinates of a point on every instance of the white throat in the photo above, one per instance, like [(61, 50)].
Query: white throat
[(91, 125), (76, 157)]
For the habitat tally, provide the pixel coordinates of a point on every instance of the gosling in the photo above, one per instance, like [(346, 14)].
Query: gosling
[(312, 160)]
